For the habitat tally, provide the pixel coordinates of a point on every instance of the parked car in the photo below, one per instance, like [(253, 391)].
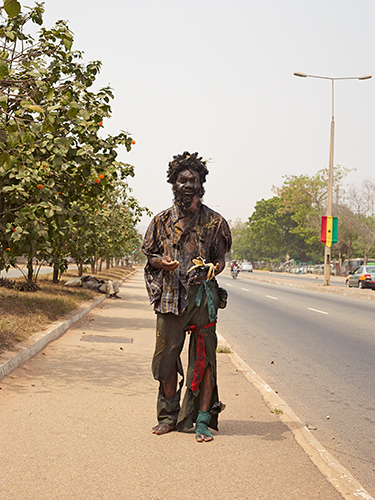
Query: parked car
[(318, 269), (247, 266), (362, 277)]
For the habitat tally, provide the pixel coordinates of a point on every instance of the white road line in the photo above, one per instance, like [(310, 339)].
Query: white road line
[(270, 297), (317, 310), (228, 284), (334, 472), (245, 289)]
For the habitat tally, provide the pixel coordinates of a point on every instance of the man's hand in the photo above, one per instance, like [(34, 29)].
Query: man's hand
[(165, 262), (168, 264)]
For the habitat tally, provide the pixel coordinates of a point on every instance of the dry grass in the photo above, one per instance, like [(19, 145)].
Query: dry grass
[(23, 313)]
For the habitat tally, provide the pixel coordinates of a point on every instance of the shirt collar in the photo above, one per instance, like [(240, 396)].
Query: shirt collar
[(177, 213)]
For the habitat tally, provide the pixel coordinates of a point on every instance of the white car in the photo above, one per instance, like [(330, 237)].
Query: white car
[(247, 266)]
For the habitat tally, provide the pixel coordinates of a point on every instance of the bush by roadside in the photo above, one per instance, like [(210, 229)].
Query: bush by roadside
[(23, 313)]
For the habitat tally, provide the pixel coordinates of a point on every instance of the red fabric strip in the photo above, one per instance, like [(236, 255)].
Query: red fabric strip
[(323, 232), (200, 358)]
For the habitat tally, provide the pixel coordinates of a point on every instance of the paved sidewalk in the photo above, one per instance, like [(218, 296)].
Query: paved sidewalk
[(75, 424)]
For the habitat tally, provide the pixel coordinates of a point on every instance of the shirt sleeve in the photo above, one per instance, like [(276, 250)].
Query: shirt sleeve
[(153, 277), (225, 230)]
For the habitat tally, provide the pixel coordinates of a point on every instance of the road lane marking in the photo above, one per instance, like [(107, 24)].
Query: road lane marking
[(317, 310), (270, 297), (245, 289), (328, 465)]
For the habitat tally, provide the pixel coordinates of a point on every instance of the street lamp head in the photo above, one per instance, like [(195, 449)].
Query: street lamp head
[(364, 77), (297, 73)]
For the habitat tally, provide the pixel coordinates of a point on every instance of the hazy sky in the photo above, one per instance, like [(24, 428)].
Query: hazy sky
[(216, 77)]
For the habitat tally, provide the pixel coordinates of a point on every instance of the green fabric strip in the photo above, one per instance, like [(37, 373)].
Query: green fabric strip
[(203, 420), (210, 301)]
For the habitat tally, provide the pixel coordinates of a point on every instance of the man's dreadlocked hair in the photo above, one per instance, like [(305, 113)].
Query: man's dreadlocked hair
[(187, 161)]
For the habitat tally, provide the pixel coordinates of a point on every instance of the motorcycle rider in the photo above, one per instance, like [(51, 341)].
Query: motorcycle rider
[(233, 265)]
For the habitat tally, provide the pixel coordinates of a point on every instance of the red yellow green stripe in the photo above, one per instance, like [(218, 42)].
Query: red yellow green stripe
[(329, 230)]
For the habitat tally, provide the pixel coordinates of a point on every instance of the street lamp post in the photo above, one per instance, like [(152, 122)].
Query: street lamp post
[(327, 250)]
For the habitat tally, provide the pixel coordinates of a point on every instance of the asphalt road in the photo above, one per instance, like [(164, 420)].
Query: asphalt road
[(317, 350)]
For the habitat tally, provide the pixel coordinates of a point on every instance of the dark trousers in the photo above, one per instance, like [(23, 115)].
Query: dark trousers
[(170, 336)]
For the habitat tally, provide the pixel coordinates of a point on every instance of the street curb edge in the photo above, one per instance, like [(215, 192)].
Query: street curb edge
[(328, 465), (49, 336)]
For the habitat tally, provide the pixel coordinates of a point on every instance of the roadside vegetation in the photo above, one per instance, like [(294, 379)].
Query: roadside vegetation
[(63, 187), (23, 313), (287, 226)]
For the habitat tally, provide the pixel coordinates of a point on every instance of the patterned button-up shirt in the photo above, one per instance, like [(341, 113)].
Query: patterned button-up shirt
[(168, 290)]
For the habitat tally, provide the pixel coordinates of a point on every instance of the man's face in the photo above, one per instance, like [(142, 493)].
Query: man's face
[(187, 189)]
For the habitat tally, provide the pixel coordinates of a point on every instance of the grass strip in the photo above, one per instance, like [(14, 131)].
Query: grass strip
[(24, 313)]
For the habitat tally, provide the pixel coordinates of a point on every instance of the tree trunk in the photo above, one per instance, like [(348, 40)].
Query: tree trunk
[(30, 270), (107, 263), (80, 268), (100, 264), (55, 276)]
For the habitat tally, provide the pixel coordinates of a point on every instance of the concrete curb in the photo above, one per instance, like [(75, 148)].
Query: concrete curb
[(336, 474), (37, 344)]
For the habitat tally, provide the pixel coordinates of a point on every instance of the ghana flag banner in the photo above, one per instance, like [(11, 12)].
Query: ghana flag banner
[(329, 232)]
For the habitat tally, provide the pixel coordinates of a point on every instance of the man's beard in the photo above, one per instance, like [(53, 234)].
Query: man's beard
[(184, 201)]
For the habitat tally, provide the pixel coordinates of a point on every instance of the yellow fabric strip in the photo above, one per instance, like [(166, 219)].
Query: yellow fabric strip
[(329, 231)]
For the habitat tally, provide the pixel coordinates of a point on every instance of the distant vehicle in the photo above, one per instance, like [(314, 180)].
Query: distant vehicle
[(349, 266), (247, 266), (362, 277), (234, 272), (319, 269)]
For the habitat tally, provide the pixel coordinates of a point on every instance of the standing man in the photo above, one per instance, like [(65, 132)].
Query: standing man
[(185, 247)]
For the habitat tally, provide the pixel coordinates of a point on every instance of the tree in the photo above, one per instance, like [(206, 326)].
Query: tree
[(304, 198), (56, 170), (268, 234), (362, 201)]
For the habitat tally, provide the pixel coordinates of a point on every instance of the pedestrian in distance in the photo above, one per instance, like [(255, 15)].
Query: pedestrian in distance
[(185, 246)]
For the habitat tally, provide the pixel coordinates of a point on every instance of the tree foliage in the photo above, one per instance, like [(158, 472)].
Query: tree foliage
[(289, 223), (63, 189)]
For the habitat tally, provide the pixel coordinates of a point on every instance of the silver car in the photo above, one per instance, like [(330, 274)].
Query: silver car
[(247, 266), (362, 277)]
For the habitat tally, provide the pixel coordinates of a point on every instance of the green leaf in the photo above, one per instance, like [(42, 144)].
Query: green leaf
[(36, 109), (7, 162), (49, 213), (24, 211), (25, 104), (85, 114), (4, 70), (49, 95), (12, 7), (72, 112), (13, 140), (68, 41), (3, 101)]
